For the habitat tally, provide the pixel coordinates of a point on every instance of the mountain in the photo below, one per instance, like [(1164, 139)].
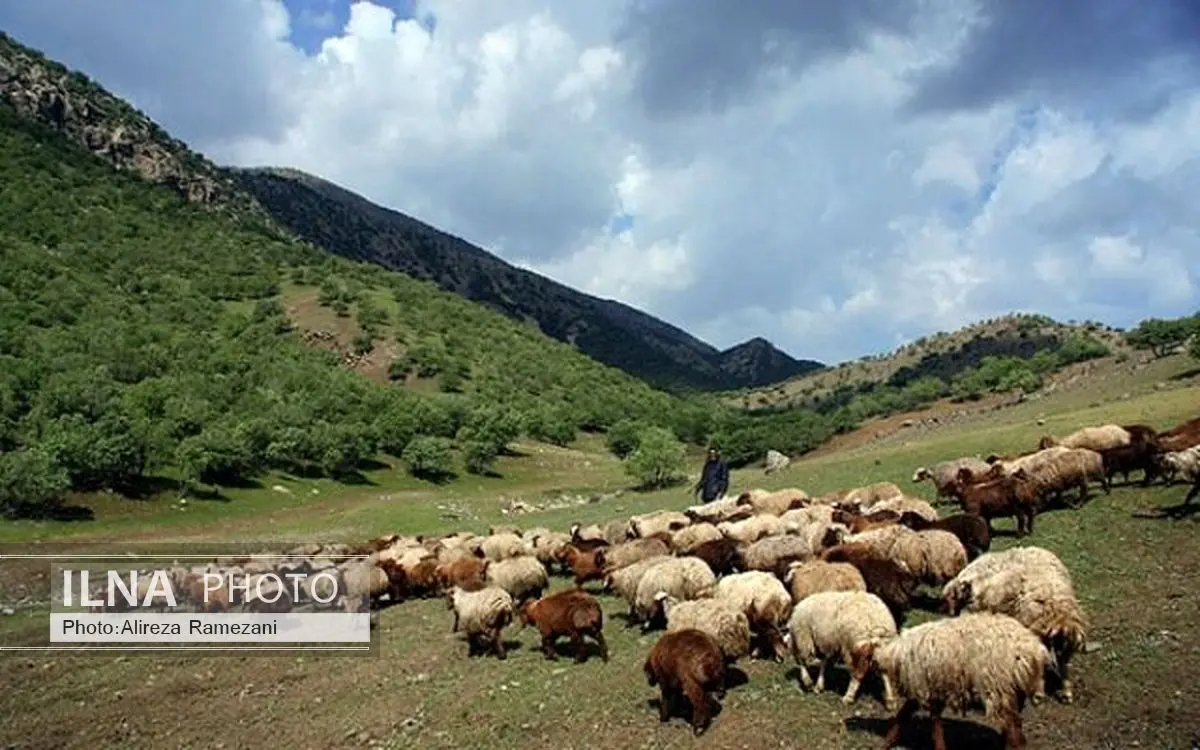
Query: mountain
[(289, 204), (348, 224)]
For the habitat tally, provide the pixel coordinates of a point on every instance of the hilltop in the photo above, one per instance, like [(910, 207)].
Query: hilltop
[(345, 223), (287, 204)]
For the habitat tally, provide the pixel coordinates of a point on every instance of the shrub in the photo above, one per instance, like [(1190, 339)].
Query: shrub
[(30, 480), (658, 461), (429, 458), (622, 438)]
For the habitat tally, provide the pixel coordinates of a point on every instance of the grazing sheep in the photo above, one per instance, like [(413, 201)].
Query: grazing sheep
[(468, 574), (887, 579), (752, 529), (1123, 459), (724, 509), (481, 614), (814, 576), (722, 556), (998, 497), (721, 619), (1035, 588), (362, 582), (954, 662), (624, 582), (658, 522), (857, 522), (547, 547), (1075, 468), (944, 473), (421, 579), (587, 537), (1092, 438), (688, 539), (581, 563), (522, 577), (848, 625), (530, 535), (904, 504), (448, 554), (764, 600), (1180, 437), (774, 503), (679, 577), (573, 613), (821, 536), (971, 530), (687, 663), (1141, 433), (627, 553), (767, 553), (800, 517), (616, 531), (504, 529), (867, 496), (1030, 461), (934, 556)]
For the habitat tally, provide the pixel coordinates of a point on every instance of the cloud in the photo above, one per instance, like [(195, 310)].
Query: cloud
[(837, 179)]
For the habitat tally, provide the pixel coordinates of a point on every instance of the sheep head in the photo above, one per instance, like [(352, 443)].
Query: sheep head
[(921, 474), (1047, 441), (955, 597), (791, 571)]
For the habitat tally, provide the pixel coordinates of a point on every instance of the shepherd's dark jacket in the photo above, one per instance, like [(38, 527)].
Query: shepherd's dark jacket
[(714, 480)]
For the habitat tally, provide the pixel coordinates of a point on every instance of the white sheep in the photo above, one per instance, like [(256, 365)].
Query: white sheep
[(1031, 585), (522, 577), (951, 663), (800, 517), (774, 503), (1093, 438), (845, 625), (764, 600), (481, 614), (679, 577), (752, 529), (935, 556), (624, 582), (1185, 465), (944, 474), (657, 522), (723, 509), (814, 576), (905, 504), (497, 547), (620, 555), (717, 617), (688, 539)]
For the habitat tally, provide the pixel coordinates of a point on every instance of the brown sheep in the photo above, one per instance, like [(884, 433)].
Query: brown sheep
[(887, 579), (1180, 437), (582, 563), (1141, 433), (467, 573), (573, 613), (422, 578), (687, 663), (858, 522), (1133, 457), (970, 529), (723, 555), (998, 497)]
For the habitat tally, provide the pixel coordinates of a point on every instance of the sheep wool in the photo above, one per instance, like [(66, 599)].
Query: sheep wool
[(848, 625), (688, 539), (750, 530), (774, 503), (720, 619), (624, 582), (1092, 438), (522, 577), (950, 662), (766, 553), (678, 577), (800, 517), (904, 504), (814, 576), (485, 612), (935, 556), (658, 522), (764, 600), (627, 553)]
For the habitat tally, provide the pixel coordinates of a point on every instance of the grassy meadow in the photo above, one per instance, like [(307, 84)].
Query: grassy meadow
[(1135, 577)]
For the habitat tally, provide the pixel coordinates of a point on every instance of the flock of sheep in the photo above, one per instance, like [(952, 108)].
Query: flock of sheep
[(828, 579)]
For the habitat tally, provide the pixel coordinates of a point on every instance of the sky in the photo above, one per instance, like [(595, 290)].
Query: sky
[(839, 178)]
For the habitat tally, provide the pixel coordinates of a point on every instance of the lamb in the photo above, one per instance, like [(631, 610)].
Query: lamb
[(1137, 456), (849, 625), (688, 663), (724, 621), (688, 539), (764, 600), (679, 577), (1035, 588), (482, 614), (814, 576), (887, 579), (723, 556), (752, 529), (658, 522), (950, 663), (468, 574), (573, 613), (774, 503), (522, 577), (582, 563), (624, 582), (1092, 438), (971, 530), (943, 474), (626, 553)]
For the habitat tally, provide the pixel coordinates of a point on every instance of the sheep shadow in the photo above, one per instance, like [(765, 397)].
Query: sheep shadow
[(484, 650), (565, 651), (928, 601), (918, 732), (1169, 512)]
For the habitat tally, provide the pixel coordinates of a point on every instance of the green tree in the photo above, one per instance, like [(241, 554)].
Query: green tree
[(1161, 336), (658, 461), (430, 458), (479, 456), (622, 438), (30, 481)]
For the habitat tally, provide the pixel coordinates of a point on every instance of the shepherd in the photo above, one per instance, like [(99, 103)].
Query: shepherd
[(714, 477)]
